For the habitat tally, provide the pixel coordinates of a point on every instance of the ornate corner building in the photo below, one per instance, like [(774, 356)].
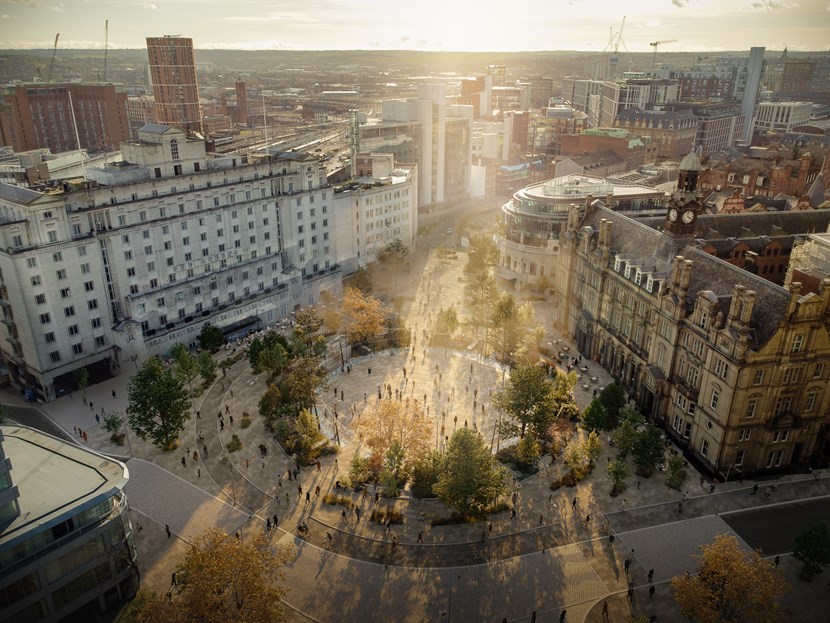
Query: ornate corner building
[(733, 366)]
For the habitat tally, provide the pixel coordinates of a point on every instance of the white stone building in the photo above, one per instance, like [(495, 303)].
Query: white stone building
[(142, 253)]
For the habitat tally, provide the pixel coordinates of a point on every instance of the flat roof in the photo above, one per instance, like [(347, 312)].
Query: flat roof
[(573, 186), (55, 479)]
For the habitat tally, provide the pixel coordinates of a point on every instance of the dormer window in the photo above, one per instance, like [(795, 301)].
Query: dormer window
[(617, 264), (704, 318), (627, 270), (638, 277), (649, 284), (174, 149)]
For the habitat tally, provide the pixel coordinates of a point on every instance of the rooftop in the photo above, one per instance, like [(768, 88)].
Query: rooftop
[(55, 479)]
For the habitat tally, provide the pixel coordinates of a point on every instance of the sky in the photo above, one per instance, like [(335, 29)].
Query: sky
[(463, 25)]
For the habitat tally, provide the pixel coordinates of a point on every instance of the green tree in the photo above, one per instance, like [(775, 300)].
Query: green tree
[(529, 398), (359, 470), (595, 417), (471, 478), (272, 360), (510, 325), (613, 399), (425, 471), (731, 586), (254, 350), (211, 338), (812, 547), (592, 447), (447, 321), (649, 449), (482, 255), (207, 366), (480, 292), (395, 252), (298, 386), (306, 436), (82, 379), (113, 422), (362, 281), (626, 434), (574, 456), (223, 579), (185, 365), (618, 471), (677, 472), (157, 403)]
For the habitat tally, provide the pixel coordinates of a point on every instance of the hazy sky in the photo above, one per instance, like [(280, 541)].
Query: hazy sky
[(698, 25)]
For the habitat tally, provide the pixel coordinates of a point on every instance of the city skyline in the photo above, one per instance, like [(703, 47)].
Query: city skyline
[(696, 25)]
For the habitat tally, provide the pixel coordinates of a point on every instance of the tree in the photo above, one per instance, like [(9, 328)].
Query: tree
[(595, 417), (297, 388), (618, 471), (112, 422), (447, 321), (185, 365), (307, 323), (649, 449), (395, 252), (424, 472), (677, 472), (361, 316), (223, 579), (529, 398), (626, 434), (255, 348), (482, 255), (480, 291), (613, 399), (157, 403), (305, 436), (510, 325), (812, 547), (82, 378), (471, 478), (211, 338), (272, 360), (361, 281), (731, 586), (207, 366), (592, 446), (394, 422)]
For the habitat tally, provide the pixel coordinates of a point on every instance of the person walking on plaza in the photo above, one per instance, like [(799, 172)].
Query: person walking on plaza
[(651, 591), (605, 611), (651, 575), (167, 530)]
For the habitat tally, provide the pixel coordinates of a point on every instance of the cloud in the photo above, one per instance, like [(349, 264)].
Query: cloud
[(772, 5), (681, 4), (5, 16), (58, 8)]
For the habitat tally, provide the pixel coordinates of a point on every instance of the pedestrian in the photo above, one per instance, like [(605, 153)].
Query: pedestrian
[(651, 591), (287, 498), (204, 450), (329, 537), (268, 524), (317, 490), (562, 616), (754, 489), (221, 424), (343, 514), (299, 491), (173, 577), (357, 512), (611, 538), (167, 530), (777, 560), (604, 610), (627, 565), (230, 417), (490, 527), (630, 594), (712, 488), (198, 415), (198, 472), (227, 409), (97, 419), (638, 485), (91, 407), (575, 503), (279, 479), (86, 439), (420, 537), (370, 371), (513, 513), (195, 455), (651, 575), (247, 463), (231, 393), (541, 519), (307, 497), (588, 519), (184, 461)]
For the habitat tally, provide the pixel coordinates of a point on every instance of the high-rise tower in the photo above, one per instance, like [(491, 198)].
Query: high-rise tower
[(173, 74)]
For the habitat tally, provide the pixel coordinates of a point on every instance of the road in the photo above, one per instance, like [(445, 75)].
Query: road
[(773, 529), (32, 417)]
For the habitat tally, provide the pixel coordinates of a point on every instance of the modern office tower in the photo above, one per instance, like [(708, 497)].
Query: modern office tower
[(635, 93), (241, 103), (782, 116), (796, 76), (66, 544), (40, 115), (747, 86), (137, 257), (175, 88)]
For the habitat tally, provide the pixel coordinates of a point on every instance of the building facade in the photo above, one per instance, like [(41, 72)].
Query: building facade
[(175, 88), (732, 366), (782, 116), (141, 110), (66, 545), (142, 253), (38, 116)]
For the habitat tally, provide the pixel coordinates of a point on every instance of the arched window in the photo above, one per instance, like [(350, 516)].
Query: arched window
[(174, 149)]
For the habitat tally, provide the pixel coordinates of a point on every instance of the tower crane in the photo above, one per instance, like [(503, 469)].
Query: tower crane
[(654, 45), (52, 62), (614, 57)]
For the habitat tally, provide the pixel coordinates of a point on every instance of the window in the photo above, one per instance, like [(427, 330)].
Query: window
[(692, 377), (722, 369), (798, 343), (818, 371), (739, 457), (54, 356), (744, 434), (96, 323), (783, 405), (45, 318), (35, 280), (31, 262), (81, 251), (92, 304), (85, 269), (61, 274), (69, 311), (774, 458), (89, 286), (73, 329), (65, 294), (100, 341), (751, 406), (759, 377), (704, 447), (713, 402), (780, 436), (57, 256), (810, 404), (128, 255), (174, 149), (77, 349)]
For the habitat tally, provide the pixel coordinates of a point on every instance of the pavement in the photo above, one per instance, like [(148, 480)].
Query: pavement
[(547, 559)]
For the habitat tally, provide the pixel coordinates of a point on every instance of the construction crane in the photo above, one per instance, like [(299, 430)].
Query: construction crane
[(614, 57), (654, 45), (54, 54)]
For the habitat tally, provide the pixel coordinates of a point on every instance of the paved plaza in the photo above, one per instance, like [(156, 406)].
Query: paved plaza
[(547, 559)]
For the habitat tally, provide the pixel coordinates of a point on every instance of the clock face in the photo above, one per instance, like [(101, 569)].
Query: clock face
[(672, 215), (688, 216)]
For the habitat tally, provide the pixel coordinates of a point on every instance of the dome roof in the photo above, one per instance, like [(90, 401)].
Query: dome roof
[(691, 162)]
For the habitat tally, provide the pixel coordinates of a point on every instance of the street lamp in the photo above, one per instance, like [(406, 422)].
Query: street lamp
[(127, 434), (448, 611)]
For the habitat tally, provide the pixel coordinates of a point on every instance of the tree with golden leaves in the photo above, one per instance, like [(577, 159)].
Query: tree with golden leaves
[(222, 579), (361, 317), (731, 586), (396, 422)]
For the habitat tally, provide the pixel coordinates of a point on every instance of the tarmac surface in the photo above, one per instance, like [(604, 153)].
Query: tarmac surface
[(546, 559)]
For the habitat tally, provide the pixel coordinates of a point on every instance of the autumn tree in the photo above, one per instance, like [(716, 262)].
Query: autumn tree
[(157, 403), (446, 322), (528, 398), (300, 383), (361, 317), (470, 479), (223, 579), (731, 586), (592, 446), (272, 360), (480, 292), (812, 548), (395, 422), (482, 255)]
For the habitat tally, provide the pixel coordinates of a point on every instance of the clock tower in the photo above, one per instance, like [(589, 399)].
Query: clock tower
[(684, 205)]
